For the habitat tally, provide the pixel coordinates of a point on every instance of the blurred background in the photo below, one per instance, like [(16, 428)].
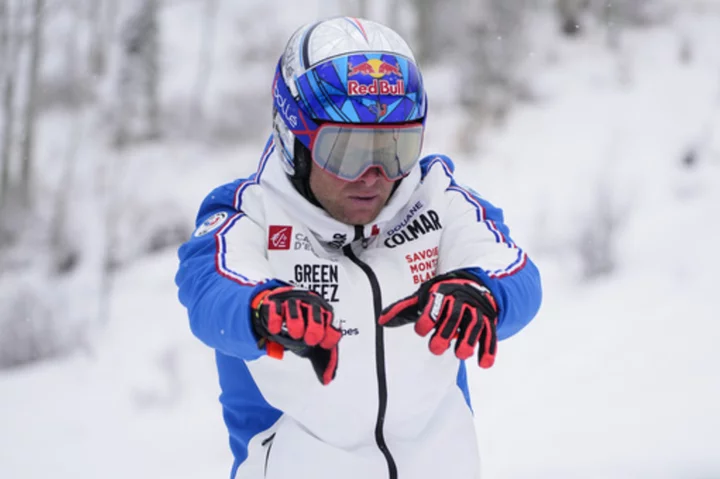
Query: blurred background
[(594, 124)]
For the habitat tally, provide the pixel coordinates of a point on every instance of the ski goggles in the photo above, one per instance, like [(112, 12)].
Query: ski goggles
[(347, 152)]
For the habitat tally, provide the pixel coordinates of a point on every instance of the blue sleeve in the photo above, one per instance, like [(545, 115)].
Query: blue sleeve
[(518, 297), (218, 303), (519, 293)]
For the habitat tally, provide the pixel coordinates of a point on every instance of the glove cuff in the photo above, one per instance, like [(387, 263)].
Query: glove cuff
[(462, 274), (259, 298), (256, 320), (481, 286)]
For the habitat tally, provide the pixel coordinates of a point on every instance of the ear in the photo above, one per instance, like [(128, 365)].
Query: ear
[(301, 178), (303, 160)]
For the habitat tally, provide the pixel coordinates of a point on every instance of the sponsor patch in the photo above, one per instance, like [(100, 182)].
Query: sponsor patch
[(345, 330), (375, 77), (338, 241), (279, 237), (320, 278), (302, 242), (408, 231), (423, 264), (211, 224)]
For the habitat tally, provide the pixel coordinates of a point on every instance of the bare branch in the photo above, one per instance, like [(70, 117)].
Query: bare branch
[(8, 61), (29, 122), (205, 65)]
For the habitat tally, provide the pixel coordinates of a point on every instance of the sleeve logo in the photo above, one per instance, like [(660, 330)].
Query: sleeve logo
[(210, 224)]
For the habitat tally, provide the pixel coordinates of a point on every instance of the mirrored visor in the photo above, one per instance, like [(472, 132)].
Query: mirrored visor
[(349, 151)]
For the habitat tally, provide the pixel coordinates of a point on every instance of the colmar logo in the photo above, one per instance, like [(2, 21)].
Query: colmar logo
[(377, 70), (408, 231), (279, 237)]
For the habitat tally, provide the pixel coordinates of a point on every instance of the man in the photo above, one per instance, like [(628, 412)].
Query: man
[(300, 276)]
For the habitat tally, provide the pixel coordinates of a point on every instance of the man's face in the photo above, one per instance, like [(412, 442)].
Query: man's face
[(356, 202)]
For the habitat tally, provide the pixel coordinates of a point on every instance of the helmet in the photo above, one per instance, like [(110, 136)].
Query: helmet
[(348, 93)]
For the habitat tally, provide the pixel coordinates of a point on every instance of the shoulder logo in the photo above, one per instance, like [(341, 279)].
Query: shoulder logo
[(210, 224), (279, 237)]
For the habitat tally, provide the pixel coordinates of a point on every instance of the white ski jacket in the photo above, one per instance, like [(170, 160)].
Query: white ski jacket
[(394, 409)]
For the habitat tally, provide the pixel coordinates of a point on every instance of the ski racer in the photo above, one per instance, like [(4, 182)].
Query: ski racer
[(302, 276)]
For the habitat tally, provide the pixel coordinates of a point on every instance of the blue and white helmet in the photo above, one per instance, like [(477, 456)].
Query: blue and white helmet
[(350, 91)]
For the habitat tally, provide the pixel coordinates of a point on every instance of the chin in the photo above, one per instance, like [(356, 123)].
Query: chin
[(363, 218)]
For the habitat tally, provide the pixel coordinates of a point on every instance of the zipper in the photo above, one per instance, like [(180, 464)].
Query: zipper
[(379, 360), (269, 443)]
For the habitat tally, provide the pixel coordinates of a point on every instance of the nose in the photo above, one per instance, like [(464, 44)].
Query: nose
[(371, 176)]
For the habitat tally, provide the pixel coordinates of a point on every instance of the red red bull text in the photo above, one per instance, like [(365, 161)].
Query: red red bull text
[(377, 69), (377, 87)]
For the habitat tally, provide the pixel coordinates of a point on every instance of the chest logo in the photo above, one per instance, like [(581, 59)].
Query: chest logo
[(320, 278), (346, 331), (423, 264), (279, 237), (425, 223)]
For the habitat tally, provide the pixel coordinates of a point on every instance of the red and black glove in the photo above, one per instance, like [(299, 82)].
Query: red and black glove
[(456, 306), (301, 321)]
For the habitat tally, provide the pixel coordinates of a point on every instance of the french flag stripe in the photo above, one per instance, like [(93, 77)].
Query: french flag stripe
[(513, 268), (220, 249), (470, 199), (442, 163), (356, 23), (516, 265), (481, 215), (498, 234), (254, 180)]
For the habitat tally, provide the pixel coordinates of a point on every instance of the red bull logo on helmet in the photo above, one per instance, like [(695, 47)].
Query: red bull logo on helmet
[(377, 70)]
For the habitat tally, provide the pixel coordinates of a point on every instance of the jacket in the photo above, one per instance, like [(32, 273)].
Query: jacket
[(394, 409)]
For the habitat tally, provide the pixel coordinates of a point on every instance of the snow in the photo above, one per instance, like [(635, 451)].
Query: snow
[(617, 377)]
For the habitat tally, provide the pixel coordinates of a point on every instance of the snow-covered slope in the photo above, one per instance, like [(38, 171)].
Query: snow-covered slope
[(616, 378)]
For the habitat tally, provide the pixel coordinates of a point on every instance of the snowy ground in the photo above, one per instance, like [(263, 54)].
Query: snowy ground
[(616, 378)]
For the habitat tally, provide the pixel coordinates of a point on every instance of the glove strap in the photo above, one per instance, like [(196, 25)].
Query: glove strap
[(274, 350)]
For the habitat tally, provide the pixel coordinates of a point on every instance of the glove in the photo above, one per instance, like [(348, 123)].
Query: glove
[(300, 321), (457, 306)]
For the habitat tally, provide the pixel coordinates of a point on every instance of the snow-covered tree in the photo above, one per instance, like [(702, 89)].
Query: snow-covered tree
[(29, 126), (8, 71), (492, 43), (137, 107), (568, 13), (44, 308)]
